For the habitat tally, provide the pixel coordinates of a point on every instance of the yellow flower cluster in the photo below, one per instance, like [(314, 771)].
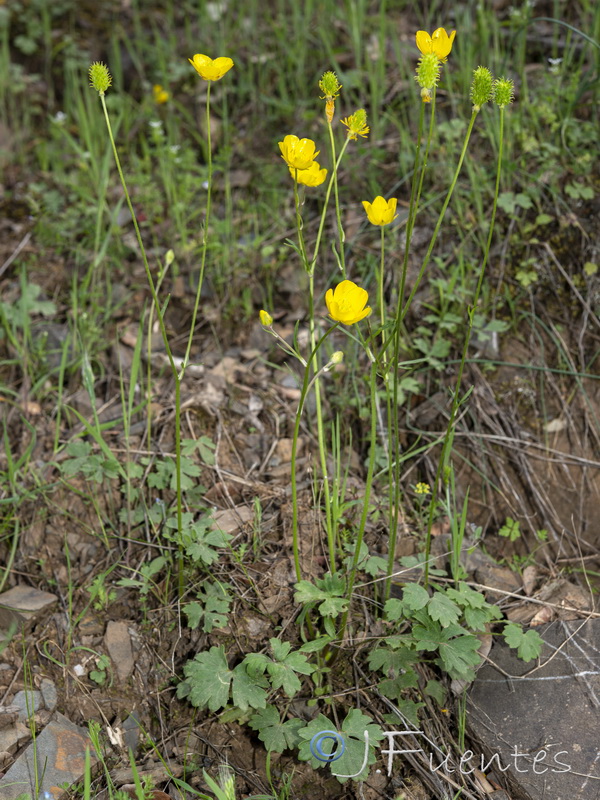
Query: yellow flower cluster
[(300, 155), (160, 95)]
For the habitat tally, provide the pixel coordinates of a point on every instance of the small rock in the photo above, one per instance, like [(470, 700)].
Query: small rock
[(232, 519), (28, 702), (48, 690), (131, 732), (23, 604), (118, 644), (8, 715), (13, 737)]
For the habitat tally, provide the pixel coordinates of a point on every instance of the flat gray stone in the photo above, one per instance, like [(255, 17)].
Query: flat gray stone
[(543, 725), (23, 604), (60, 760)]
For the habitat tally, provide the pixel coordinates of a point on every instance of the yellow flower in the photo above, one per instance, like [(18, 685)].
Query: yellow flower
[(311, 176), (346, 303), (209, 69), (160, 95), (381, 211), (298, 153), (439, 42), (423, 488), (265, 318), (356, 124)]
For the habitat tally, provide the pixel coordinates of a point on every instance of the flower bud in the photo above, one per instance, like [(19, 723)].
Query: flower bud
[(504, 92), (337, 357), (265, 318), (481, 88)]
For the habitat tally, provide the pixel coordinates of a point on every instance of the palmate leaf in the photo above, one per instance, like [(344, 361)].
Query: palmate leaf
[(467, 597), (328, 593), (392, 662), (276, 735), (282, 670), (443, 610), (415, 596), (248, 691), (395, 687), (459, 655), (456, 647), (353, 733), (528, 645), (208, 679), (477, 618)]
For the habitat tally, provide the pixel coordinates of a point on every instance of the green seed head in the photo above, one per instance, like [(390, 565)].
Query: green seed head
[(330, 86), (504, 92), (428, 71), (100, 78), (481, 88)]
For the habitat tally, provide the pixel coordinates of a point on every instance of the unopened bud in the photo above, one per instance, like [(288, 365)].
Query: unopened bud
[(504, 92), (481, 88)]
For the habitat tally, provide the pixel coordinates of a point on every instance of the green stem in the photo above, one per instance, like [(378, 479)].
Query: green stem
[(314, 364), (204, 233), (332, 180), (394, 451), (402, 312), (338, 214), (306, 384), (366, 498), (165, 338), (380, 287), (449, 436)]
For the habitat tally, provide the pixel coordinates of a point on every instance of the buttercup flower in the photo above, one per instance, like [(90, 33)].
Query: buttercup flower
[(346, 303), (356, 124), (381, 211), (160, 95), (439, 42), (311, 176), (298, 153), (265, 318), (209, 69)]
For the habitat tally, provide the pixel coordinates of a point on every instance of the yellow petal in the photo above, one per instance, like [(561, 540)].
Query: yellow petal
[(424, 43)]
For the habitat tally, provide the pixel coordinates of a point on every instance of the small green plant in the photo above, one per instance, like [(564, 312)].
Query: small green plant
[(101, 597), (100, 674), (511, 529)]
